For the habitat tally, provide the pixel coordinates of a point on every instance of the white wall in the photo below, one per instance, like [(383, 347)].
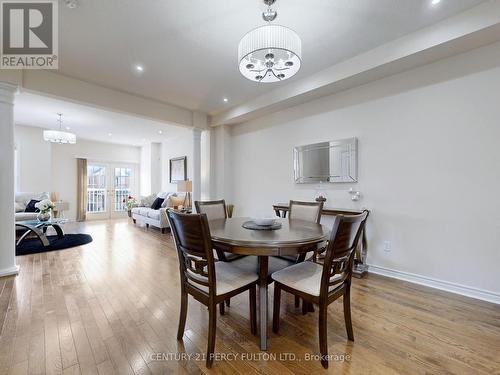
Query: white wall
[(221, 176), (157, 173), (206, 165), (34, 160), (145, 170), (64, 170), (180, 145), (428, 165)]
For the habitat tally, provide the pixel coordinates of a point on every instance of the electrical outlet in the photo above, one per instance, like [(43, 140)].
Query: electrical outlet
[(387, 246)]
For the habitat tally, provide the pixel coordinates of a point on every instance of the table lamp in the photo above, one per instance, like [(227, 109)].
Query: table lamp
[(185, 187)]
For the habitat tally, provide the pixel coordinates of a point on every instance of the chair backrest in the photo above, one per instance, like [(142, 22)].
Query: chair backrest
[(339, 258), (308, 211), (213, 209), (192, 240)]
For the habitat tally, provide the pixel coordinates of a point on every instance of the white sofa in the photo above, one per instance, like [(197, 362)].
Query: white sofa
[(22, 199), (143, 213)]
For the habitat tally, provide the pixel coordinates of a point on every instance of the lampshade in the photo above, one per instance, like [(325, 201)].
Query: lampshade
[(56, 136), (185, 186), (270, 53), (59, 136)]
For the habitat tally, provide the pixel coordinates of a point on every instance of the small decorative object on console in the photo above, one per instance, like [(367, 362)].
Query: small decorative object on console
[(320, 195)]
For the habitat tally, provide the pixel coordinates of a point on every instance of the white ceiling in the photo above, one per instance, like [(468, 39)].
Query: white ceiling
[(90, 123), (189, 48)]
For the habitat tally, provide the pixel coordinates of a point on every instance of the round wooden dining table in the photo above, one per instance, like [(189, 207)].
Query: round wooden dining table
[(293, 238)]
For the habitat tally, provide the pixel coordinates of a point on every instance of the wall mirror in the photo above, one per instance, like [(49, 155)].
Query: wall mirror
[(335, 161)]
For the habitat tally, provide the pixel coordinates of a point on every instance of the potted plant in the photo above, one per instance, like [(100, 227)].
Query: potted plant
[(45, 207)]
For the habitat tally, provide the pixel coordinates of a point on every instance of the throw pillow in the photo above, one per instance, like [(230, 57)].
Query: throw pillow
[(168, 198), (30, 207), (157, 203), (19, 207), (147, 201)]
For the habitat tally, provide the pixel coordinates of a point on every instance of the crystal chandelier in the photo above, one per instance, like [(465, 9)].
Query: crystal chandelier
[(58, 136), (270, 53)]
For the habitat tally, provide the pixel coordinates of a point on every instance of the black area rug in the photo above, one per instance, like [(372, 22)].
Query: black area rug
[(33, 245)]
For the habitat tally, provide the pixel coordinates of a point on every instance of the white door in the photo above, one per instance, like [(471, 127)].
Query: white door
[(108, 187)]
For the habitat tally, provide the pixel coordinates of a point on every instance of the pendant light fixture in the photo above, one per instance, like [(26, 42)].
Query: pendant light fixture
[(270, 53), (59, 136)]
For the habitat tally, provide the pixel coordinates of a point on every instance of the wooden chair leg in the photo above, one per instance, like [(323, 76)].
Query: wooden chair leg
[(228, 302), (276, 308), (347, 313), (212, 319), (253, 310), (305, 307), (297, 301), (221, 308), (134, 220), (323, 345), (162, 230), (183, 315)]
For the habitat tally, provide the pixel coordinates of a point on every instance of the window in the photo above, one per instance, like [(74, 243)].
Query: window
[(122, 187), (96, 188)]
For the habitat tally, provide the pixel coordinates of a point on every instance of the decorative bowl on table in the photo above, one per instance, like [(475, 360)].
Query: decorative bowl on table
[(264, 221)]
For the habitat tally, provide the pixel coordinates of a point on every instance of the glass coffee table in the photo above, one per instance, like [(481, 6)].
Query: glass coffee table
[(39, 229)]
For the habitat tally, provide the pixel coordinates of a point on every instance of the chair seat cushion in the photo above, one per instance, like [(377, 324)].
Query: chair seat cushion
[(229, 256), (290, 258), (251, 264), (135, 210), (304, 277), (228, 278)]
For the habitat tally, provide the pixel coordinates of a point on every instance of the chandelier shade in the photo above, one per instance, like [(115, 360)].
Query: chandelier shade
[(270, 53), (56, 136)]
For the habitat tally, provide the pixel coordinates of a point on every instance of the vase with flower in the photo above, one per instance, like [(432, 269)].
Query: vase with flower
[(130, 202), (45, 208)]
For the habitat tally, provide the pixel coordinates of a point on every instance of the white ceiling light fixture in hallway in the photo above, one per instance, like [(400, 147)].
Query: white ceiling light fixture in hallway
[(59, 136), (270, 53)]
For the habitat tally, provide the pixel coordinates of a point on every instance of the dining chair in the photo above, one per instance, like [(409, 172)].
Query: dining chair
[(323, 284), (209, 282), (216, 210), (307, 211)]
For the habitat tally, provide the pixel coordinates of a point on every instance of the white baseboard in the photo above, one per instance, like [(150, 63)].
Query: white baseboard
[(9, 271), (463, 290)]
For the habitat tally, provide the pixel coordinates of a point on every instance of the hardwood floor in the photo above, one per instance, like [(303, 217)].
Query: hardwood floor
[(104, 308)]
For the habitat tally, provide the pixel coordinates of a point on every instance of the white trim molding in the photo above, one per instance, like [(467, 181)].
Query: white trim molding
[(9, 271), (447, 286)]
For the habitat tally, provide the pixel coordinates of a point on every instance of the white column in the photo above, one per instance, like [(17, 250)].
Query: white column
[(196, 164), (7, 228), (221, 169)]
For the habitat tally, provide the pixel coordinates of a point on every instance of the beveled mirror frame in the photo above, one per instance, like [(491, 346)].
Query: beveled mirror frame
[(351, 174)]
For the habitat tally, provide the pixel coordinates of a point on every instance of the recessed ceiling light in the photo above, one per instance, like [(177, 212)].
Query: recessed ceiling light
[(435, 2), (68, 128), (225, 100), (160, 131), (139, 68), (110, 134)]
